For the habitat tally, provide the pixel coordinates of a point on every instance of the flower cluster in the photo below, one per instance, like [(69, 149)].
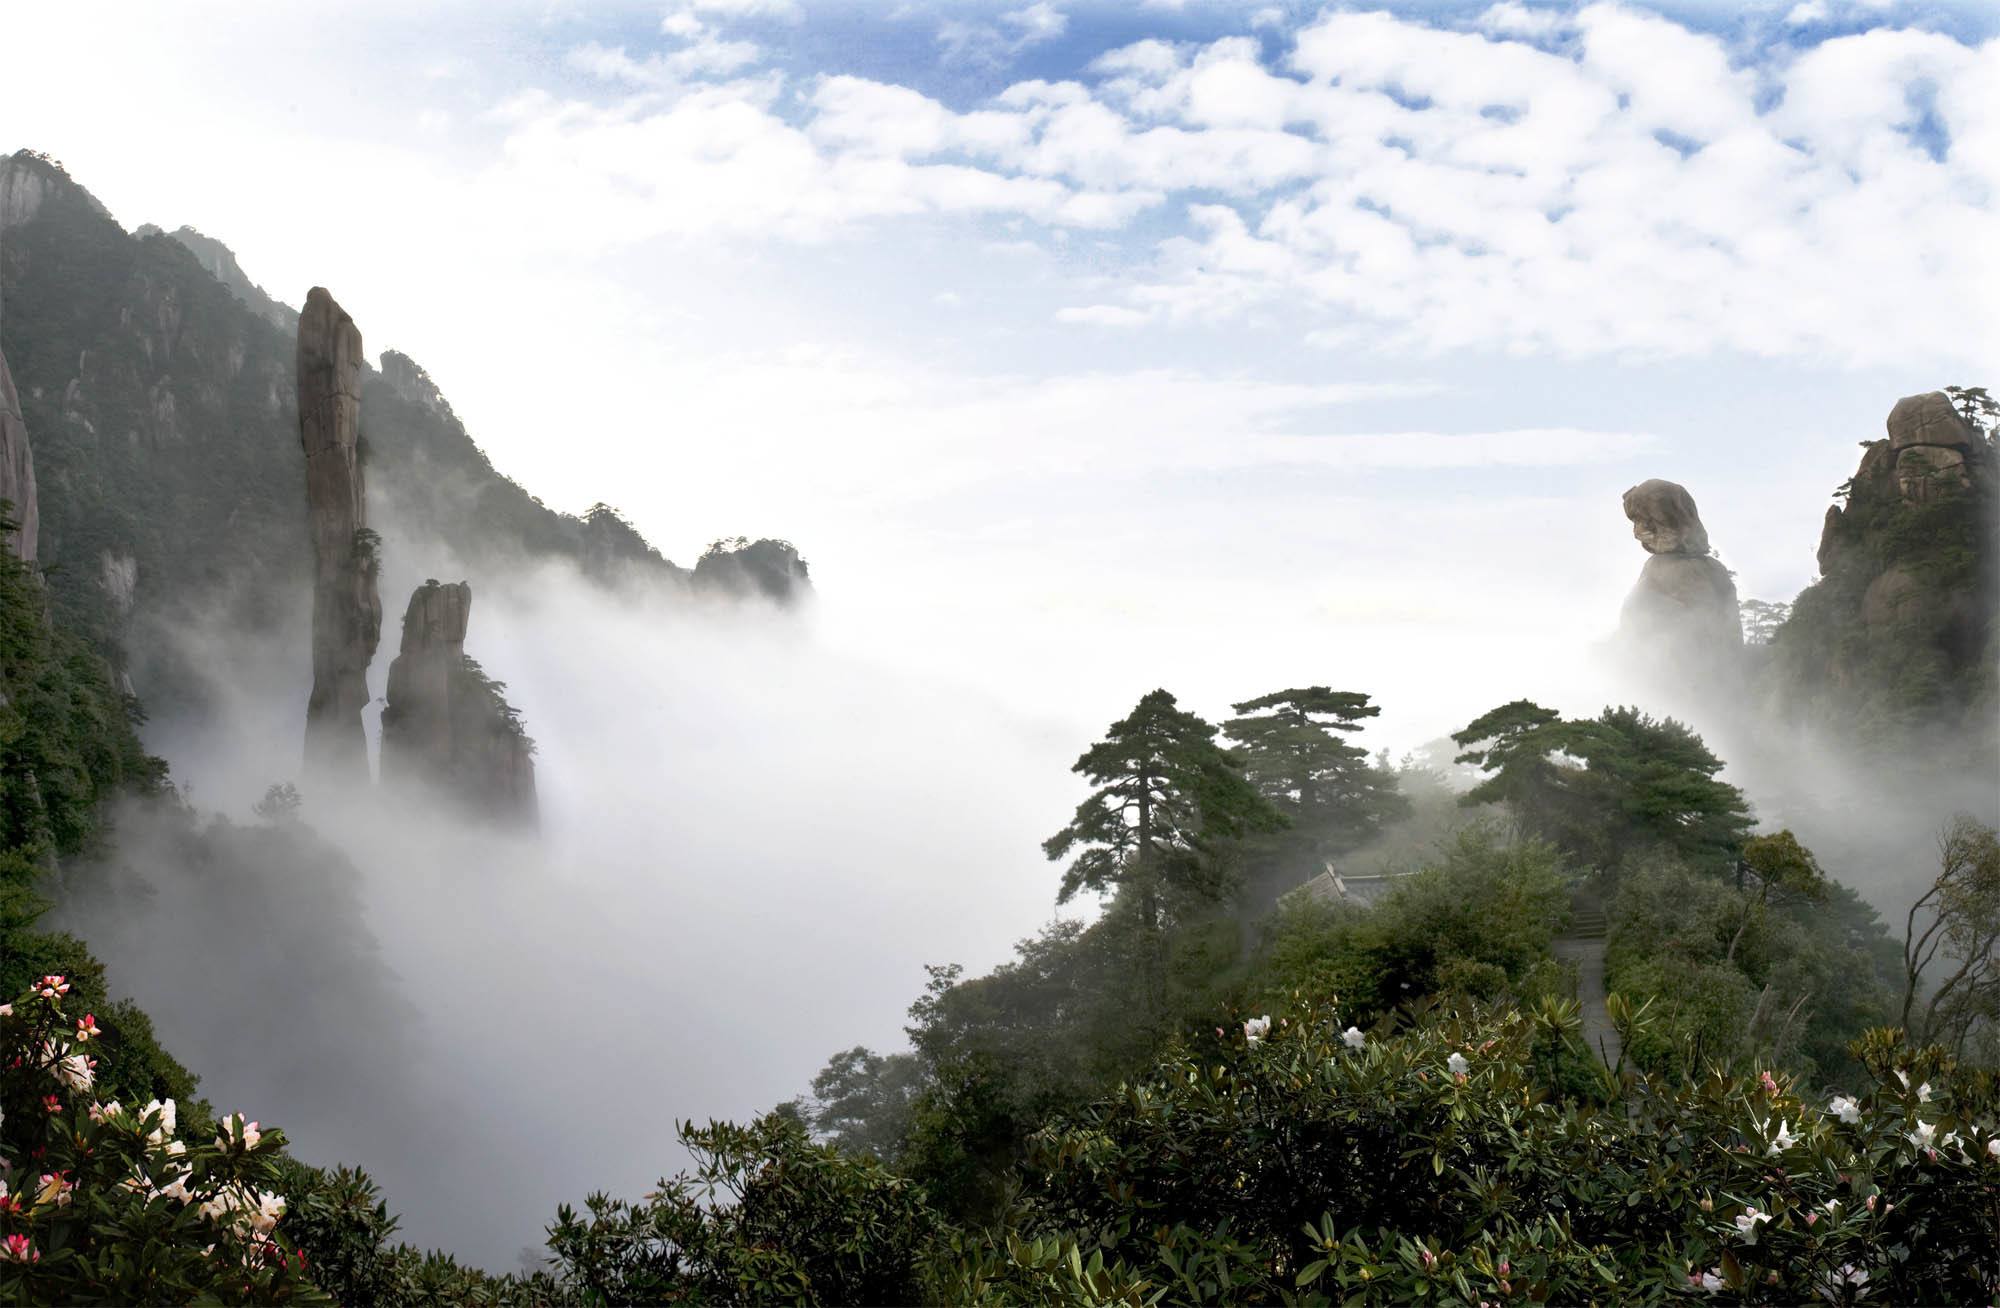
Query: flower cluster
[(95, 1180)]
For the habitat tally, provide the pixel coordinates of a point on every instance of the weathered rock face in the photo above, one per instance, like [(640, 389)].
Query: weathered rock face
[(17, 471), (1683, 610), (1899, 631), (446, 724), (347, 611)]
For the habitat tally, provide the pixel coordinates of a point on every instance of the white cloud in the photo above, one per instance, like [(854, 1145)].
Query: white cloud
[(1807, 11), (995, 43), (1512, 18), (1101, 315), (1639, 190), (704, 57)]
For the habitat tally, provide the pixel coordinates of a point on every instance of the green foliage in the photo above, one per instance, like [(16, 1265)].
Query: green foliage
[(1738, 979), (1301, 1162), (796, 1222), (1478, 919), (1604, 787), (68, 734)]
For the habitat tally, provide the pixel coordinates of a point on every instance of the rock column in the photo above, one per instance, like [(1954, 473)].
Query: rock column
[(446, 725), (347, 611)]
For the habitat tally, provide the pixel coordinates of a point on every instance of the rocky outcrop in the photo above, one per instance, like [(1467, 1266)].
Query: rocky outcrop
[(1683, 610), (764, 569), (1899, 631), (408, 379), (27, 180), (447, 725), (347, 611), (17, 472)]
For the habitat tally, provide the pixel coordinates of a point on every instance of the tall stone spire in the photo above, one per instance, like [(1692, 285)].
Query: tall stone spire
[(347, 611)]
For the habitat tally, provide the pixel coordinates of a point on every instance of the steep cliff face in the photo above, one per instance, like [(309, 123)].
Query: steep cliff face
[(1899, 632), (447, 726), (347, 611), (17, 472), (1680, 624)]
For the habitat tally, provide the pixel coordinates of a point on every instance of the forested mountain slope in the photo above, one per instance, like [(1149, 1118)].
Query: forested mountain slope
[(166, 433)]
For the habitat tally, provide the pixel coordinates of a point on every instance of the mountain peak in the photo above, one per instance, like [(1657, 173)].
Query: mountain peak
[(28, 179), (219, 261)]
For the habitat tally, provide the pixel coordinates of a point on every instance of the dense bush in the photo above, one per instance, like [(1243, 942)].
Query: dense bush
[(103, 1202)]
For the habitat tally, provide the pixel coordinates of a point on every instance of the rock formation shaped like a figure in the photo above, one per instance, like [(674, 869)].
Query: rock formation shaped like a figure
[(1682, 613), (447, 725), (17, 472), (347, 611)]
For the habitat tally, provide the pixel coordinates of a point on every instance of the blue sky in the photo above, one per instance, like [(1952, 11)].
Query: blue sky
[(1283, 342)]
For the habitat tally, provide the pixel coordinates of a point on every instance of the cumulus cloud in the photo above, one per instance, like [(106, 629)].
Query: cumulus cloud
[(1639, 190), (1512, 18)]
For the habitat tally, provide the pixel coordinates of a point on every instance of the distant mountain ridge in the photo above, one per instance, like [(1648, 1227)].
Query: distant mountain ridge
[(158, 380)]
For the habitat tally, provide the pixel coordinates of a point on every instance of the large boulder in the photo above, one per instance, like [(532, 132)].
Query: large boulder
[(347, 610), (1665, 520)]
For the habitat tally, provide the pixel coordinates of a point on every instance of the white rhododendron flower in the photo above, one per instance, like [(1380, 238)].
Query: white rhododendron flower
[(73, 1070), (176, 1189), (1993, 1147), (237, 1130), (1457, 1064), (1353, 1038), (1847, 1110), (1257, 1028), (1784, 1139), (1923, 1135), (1711, 1281), (1746, 1224), (165, 1108), (1924, 1093)]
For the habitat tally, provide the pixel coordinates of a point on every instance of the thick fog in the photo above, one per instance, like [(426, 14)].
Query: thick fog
[(751, 844), (750, 847)]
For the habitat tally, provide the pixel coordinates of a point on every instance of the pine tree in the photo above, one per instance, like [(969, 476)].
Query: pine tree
[(1168, 801), (1290, 748), (1603, 787)]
